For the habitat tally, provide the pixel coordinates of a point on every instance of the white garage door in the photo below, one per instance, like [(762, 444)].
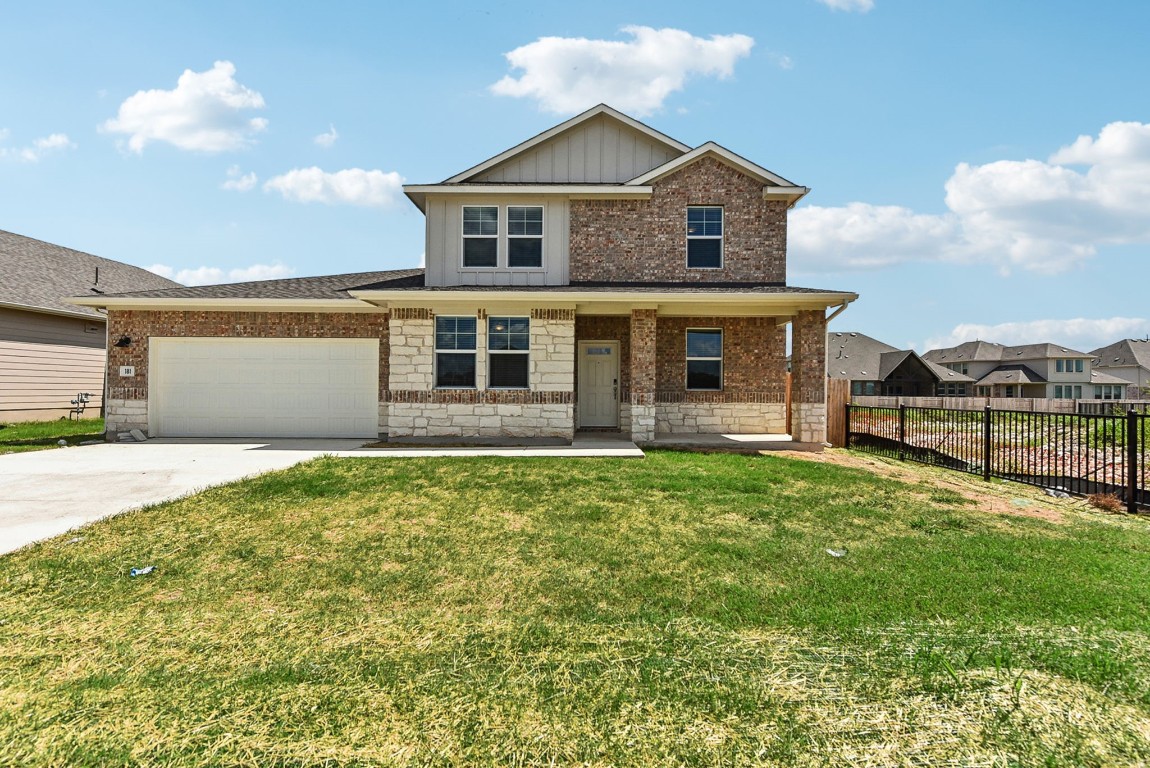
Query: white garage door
[(222, 387)]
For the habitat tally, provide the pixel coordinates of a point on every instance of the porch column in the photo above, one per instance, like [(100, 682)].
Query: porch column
[(809, 376), (643, 374)]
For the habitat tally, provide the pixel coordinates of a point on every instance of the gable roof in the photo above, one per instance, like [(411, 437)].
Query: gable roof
[(1011, 374), (1124, 353), (601, 109), (858, 357), (39, 276)]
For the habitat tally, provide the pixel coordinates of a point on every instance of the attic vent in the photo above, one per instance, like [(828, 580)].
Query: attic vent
[(853, 335)]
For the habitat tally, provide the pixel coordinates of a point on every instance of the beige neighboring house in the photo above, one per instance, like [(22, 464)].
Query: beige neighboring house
[(1044, 371), (52, 350), (598, 276), (1128, 361)]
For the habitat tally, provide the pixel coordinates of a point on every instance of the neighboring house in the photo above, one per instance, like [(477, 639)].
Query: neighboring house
[(51, 350), (1127, 360), (1030, 370), (600, 275), (875, 368)]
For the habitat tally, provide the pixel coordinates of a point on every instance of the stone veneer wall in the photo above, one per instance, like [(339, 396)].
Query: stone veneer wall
[(126, 407), (545, 409), (722, 418), (646, 240)]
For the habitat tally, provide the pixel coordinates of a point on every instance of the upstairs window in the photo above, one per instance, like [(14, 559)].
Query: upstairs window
[(525, 236), (704, 358), (1068, 366), (480, 235), (455, 352), (508, 352), (704, 237)]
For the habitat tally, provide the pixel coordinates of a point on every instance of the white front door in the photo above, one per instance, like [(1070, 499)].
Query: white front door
[(598, 384)]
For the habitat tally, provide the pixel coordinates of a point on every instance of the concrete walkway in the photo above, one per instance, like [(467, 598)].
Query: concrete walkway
[(45, 493)]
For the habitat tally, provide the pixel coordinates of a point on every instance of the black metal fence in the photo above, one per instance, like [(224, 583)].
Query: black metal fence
[(1077, 453)]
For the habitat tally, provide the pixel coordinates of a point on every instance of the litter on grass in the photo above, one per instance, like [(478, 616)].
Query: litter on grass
[(836, 552), (142, 571)]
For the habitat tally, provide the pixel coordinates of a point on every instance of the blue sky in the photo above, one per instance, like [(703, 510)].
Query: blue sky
[(979, 169)]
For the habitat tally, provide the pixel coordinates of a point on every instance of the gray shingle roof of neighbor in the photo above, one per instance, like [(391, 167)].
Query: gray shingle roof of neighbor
[(1127, 352), (321, 287), (1098, 377), (40, 276), (988, 351), (1011, 374), (858, 357)]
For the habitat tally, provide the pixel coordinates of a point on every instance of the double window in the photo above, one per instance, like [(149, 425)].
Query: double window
[(1068, 391), (1109, 391), (523, 233), (1068, 366), (704, 358), (704, 237), (508, 352)]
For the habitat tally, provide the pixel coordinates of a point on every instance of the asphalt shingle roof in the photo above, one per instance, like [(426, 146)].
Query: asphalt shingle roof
[(39, 275), (858, 357), (1011, 374), (988, 351), (1128, 352), (321, 287)]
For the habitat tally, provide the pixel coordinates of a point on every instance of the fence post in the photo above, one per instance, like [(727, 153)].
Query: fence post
[(986, 443), (901, 432), (1132, 461), (847, 426)]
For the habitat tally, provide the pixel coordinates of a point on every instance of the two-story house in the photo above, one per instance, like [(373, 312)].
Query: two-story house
[(1128, 361), (876, 368), (599, 276), (1029, 370)]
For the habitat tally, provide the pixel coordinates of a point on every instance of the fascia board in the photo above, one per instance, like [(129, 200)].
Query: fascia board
[(50, 311), (435, 298), (257, 305)]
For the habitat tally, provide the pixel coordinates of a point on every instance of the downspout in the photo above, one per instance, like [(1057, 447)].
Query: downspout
[(838, 311)]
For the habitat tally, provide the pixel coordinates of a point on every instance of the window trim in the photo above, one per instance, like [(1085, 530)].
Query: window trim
[(542, 236), (688, 358), (436, 352), (721, 238), (464, 237), (491, 353)]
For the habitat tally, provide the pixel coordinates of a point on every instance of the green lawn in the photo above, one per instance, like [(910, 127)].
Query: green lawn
[(40, 435), (677, 610)]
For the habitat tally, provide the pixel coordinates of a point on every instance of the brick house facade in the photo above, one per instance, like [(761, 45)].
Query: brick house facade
[(599, 276)]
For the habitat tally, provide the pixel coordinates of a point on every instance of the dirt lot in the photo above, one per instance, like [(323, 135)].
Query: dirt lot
[(996, 496)]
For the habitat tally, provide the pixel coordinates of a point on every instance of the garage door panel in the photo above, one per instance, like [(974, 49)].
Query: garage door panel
[(215, 387)]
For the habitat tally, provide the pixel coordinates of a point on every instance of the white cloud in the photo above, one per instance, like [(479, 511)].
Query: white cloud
[(327, 139), (46, 145), (215, 275), (569, 74), (1080, 333), (353, 186), (238, 181), (1039, 216), (862, 6), (204, 113)]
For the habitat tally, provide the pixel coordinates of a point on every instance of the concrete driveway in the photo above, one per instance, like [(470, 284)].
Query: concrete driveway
[(45, 493)]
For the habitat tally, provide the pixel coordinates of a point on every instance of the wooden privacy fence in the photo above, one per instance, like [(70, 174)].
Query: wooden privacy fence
[(1076, 453), (838, 398)]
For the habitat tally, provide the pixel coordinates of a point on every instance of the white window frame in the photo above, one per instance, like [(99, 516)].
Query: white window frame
[(720, 238), (541, 237), (464, 237), (436, 352), (688, 358), (491, 353)]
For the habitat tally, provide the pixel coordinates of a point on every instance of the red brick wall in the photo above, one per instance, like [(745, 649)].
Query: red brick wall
[(608, 328), (643, 356), (140, 325), (754, 359), (809, 356), (646, 240)]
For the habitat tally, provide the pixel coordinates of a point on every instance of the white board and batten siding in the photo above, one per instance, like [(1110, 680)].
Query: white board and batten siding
[(599, 151), (229, 387), (45, 361)]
